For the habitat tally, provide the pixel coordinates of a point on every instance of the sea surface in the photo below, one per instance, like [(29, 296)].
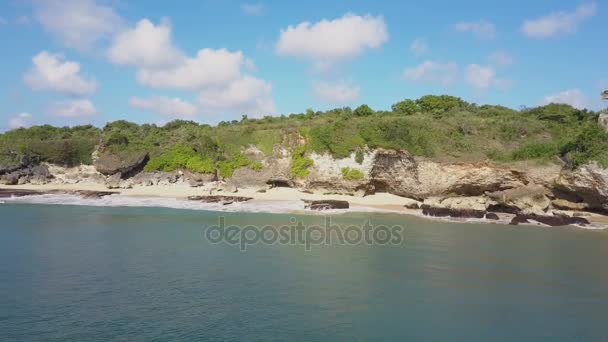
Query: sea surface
[(78, 273)]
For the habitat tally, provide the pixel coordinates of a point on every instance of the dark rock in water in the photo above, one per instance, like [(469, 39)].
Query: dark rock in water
[(126, 165), (413, 205), (554, 221), (83, 193), (326, 204), (261, 191), (502, 208), (4, 193), (456, 213), (225, 200), (518, 219), (492, 216), (94, 194)]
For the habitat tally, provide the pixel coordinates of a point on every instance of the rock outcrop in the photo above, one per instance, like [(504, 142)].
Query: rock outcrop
[(33, 174), (125, 164), (530, 199), (588, 184), (399, 173)]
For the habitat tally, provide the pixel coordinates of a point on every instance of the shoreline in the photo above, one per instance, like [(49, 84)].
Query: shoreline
[(273, 201)]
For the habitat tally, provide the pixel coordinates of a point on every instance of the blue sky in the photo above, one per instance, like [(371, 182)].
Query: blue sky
[(70, 62)]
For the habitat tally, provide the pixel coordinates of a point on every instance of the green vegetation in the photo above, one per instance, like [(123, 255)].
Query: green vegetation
[(440, 127), (299, 163), (351, 174)]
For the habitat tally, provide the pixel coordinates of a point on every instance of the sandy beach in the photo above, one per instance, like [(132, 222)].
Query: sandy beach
[(380, 200), (275, 200)]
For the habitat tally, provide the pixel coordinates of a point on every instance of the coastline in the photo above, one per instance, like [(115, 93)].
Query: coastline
[(275, 200)]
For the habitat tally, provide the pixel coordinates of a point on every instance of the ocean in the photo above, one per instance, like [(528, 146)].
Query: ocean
[(86, 273)]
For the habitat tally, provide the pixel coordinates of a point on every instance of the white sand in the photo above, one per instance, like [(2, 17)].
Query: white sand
[(380, 200)]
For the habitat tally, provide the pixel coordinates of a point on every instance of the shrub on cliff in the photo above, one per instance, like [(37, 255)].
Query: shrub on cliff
[(180, 157), (300, 163), (351, 174)]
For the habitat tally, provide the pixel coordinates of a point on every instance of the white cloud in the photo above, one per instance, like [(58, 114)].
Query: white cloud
[(20, 120), (484, 77), (480, 77), (341, 92), (328, 41), (78, 24), (558, 23), (172, 107), (209, 68), (73, 109), (253, 9), (146, 45), (433, 72), (481, 29), (246, 95), (419, 47), (500, 59), (51, 72), (573, 97)]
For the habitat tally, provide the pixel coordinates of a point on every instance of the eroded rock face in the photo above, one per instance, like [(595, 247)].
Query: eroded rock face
[(83, 174), (587, 184), (399, 173), (109, 164), (530, 199)]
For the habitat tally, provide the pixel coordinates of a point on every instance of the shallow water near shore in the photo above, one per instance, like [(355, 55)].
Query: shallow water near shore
[(104, 273)]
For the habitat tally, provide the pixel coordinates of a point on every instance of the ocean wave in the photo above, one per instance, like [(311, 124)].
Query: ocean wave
[(253, 206)]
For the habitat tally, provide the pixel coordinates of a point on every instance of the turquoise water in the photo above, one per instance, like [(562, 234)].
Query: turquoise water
[(99, 274)]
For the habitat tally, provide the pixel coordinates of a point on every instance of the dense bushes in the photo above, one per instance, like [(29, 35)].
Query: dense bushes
[(180, 157), (432, 126)]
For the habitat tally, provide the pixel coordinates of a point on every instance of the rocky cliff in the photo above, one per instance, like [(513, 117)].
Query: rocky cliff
[(532, 190)]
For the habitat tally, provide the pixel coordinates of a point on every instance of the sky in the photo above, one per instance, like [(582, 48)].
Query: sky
[(72, 62)]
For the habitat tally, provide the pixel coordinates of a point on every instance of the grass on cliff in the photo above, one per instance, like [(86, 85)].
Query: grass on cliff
[(438, 127)]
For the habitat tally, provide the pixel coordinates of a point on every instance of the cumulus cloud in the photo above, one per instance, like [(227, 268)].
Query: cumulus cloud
[(171, 107), (341, 92), (51, 72), (573, 97), (146, 45), (20, 120), (78, 24), (481, 29), (558, 23), (209, 68), (419, 47), (328, 41), (246, 95), (253, 9), (484, 77), (500, 59), (481, 77), (73, 109), (433, 72)]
